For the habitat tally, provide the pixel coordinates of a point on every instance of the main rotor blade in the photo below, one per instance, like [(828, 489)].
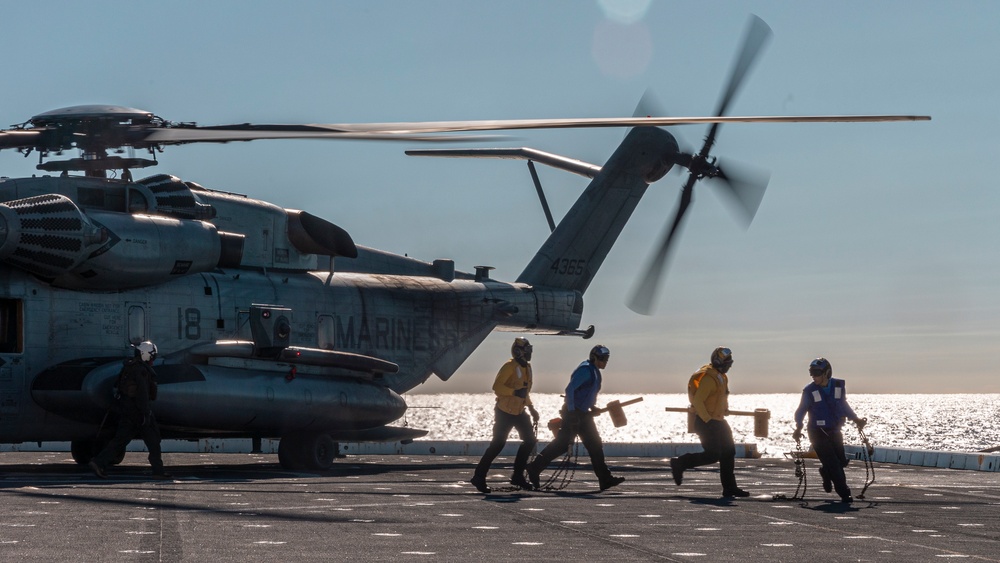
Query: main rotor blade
[(576, 123), (641, 300), (416, 131), (183, 135), (18, 138)]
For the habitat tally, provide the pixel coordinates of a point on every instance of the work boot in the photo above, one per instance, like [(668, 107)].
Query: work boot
[(97, 469), (533, 476), (677, 470), (827, 483), (847, 499), (611, 481), (737, 492), (518, 480), (480, 484)]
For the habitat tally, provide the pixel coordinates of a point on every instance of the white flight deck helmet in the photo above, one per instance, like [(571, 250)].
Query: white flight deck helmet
[(145, 350)]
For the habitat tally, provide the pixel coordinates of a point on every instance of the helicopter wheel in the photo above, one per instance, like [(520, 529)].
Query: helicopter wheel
[(307, 451)]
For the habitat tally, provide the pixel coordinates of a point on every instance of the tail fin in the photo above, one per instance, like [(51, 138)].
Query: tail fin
[(575, 250)]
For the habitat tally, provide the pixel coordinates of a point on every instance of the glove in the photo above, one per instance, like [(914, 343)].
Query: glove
[(797, 435), (534, 413), (521, 393), (861, 422)]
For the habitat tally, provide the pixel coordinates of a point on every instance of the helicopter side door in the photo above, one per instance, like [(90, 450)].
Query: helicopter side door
[(11, 360)]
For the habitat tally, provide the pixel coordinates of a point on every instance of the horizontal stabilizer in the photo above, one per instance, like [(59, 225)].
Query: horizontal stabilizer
[(549, 159)]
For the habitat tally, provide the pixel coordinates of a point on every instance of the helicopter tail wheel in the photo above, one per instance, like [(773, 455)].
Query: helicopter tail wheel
[(307, 451)]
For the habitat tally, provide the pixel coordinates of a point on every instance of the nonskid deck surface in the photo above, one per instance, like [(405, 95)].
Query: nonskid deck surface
[(244, 507)]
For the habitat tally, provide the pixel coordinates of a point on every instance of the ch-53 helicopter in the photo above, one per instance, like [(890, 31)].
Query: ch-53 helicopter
[(260, 334)]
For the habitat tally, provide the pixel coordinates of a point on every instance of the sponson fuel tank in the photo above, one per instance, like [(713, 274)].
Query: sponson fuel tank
[(51, 237), (249, 396)]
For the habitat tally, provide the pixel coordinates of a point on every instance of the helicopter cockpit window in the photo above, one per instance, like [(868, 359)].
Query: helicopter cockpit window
[(137, 202)]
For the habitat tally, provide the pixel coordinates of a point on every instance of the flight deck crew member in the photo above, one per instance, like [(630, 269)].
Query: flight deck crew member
[(136, 389), (708, 390), (825, 399), (512, 386), (577, 420)]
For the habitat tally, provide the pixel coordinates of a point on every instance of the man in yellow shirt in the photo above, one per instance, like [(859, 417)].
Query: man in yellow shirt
[(708, 390), (512, 385)]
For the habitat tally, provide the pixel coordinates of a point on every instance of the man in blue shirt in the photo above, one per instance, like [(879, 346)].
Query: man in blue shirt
[(825, 399), (577, 420)]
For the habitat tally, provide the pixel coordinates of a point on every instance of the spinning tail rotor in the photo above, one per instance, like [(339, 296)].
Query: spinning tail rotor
[(744, 188)]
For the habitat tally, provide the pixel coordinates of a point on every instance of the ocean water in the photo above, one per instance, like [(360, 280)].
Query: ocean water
[(962, 423)]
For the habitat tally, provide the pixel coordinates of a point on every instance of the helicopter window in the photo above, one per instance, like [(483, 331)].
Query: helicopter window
[(114, 201), (98, 198), (137, 202), (90, 197), (11, 327), (325, 332), (136, 324)]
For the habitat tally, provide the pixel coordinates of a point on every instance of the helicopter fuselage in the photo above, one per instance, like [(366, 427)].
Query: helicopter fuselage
[(66, 330)]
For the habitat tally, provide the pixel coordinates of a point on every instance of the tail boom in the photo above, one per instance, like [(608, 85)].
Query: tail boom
[(571, 256)]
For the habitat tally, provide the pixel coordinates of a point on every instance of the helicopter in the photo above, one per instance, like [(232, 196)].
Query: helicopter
[(273, 322)]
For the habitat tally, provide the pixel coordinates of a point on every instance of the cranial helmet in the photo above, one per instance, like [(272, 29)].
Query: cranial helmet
[(521, 349), (599, 352), (145, 350), (722, 359), (821, 367)]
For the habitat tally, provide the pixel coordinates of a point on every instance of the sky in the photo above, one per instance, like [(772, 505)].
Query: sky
[(875, 245)]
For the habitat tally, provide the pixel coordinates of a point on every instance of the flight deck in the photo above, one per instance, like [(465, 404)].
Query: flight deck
[(245, 507)]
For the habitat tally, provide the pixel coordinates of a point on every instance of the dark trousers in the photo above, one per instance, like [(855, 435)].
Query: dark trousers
[(503, 422), (575, 423), (131, 426), (829, 446), (717, 440)]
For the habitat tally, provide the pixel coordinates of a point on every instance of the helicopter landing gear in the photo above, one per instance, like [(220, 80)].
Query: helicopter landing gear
[(307, 451)]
